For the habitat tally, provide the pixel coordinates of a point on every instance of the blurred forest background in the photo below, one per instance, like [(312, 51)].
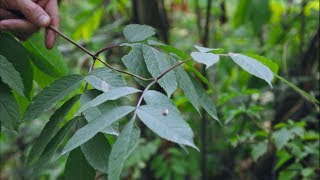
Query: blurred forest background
[(266, 133)]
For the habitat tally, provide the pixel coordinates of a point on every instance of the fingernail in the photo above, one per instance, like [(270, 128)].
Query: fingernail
[(44, 20)]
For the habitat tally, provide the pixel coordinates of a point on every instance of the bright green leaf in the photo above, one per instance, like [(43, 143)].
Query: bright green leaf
[(77, 167), (156, 64), (136, 32), (97, 151), (49, 130), (93, 127), (122, 148), (10, 76), (163, 118), (253, 67), (50, 61)]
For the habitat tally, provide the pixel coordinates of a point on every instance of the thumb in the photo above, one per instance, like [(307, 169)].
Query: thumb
[(34, 13)]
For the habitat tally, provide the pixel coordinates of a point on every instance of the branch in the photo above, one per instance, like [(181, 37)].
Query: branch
[(96, 57), (155, 80)]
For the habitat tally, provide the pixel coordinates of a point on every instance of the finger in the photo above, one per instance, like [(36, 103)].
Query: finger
[(53, 11), (18, 26), (34, 13), (4, 14)]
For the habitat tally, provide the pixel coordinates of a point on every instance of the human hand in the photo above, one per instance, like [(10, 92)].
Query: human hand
[(24, 17)]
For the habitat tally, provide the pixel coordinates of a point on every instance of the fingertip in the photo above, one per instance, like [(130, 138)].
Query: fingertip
[(44, 20), (50, 39)]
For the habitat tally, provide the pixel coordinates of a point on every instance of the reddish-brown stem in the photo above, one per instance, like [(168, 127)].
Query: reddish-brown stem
[(97, 58)]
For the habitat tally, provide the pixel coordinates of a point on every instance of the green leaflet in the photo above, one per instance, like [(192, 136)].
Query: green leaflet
[(185, 83), (52, 146), (162, 117), (137, 32), (93, 127), (77, 167), (50, 62), (9, 109), (49, 130), (156, 64), (97, 151), (134, 62), (253, 67), (209, 59), (205, 100), (10, 76), (183, 56), (104, 78), (112, 94), (94, 112), (17, 55), (122, 148), (48, 97)]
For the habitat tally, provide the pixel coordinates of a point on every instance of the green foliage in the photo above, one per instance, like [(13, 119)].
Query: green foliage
[(47, 98), (14, 52), (49, 130), (77, 167), (9, 109), (50, 62), (10, 76), (122, 148), (156, 64), (137, 32), (107, 98)]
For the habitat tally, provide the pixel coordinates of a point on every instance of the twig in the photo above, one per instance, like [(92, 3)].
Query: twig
[(97, 58), (155, 80), (110, 46)]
